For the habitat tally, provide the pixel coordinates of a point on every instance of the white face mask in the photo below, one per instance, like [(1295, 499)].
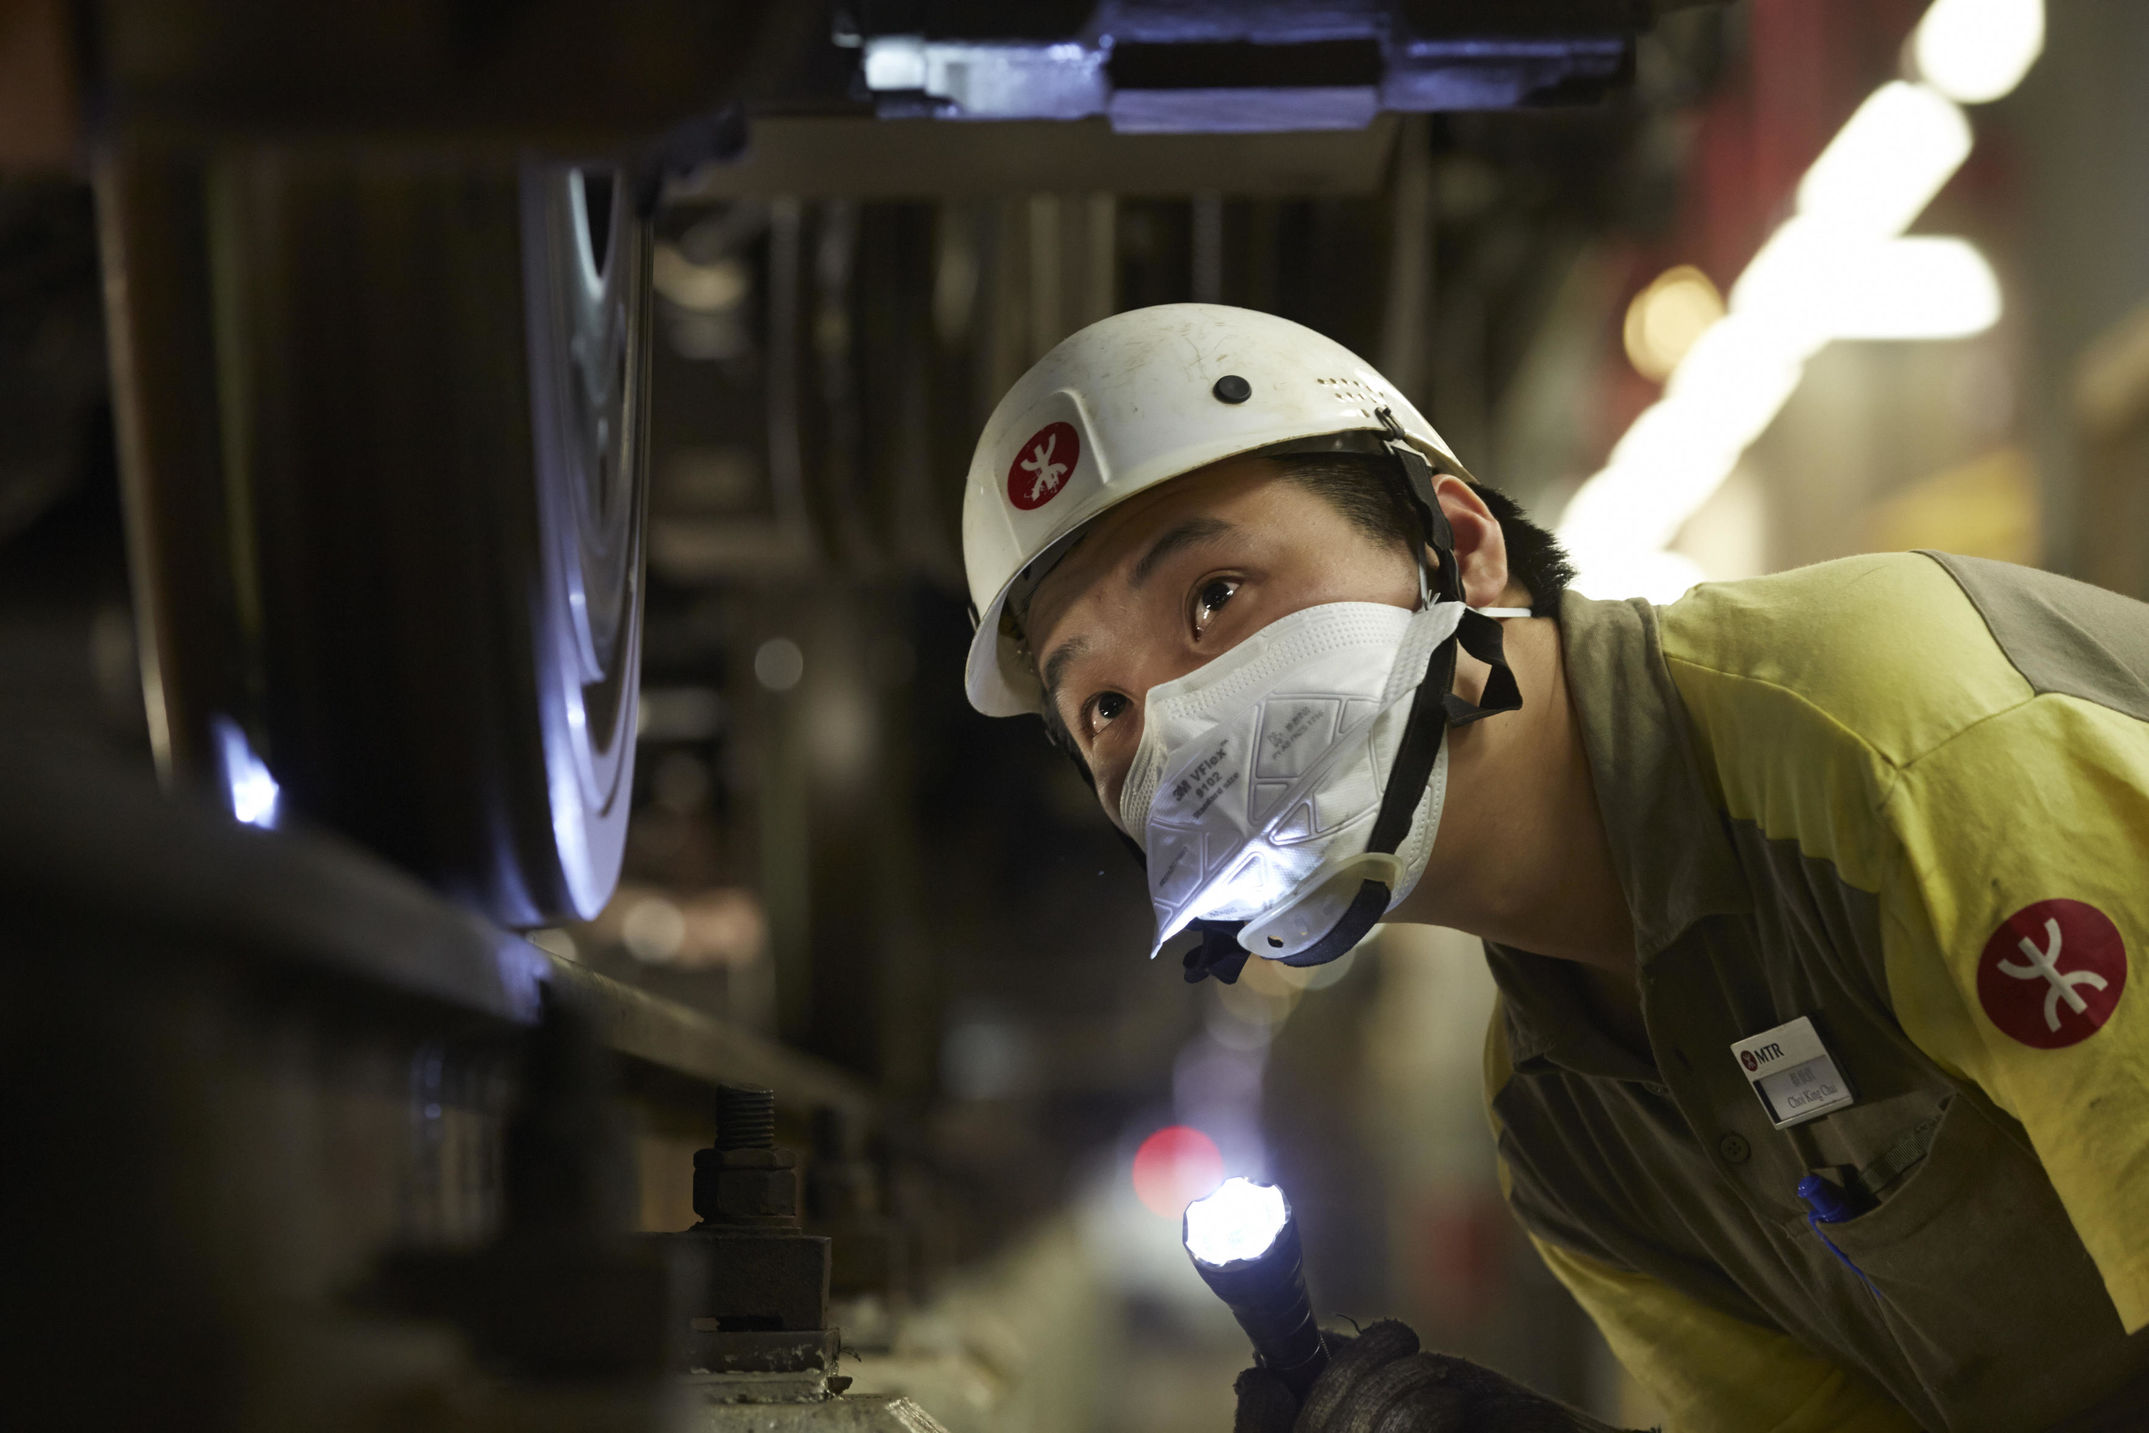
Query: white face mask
[(1255, 787)]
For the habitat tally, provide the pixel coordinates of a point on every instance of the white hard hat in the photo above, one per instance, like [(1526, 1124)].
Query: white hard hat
[(1129, 402)]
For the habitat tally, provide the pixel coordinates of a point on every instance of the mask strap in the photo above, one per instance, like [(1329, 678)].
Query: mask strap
[(1219, 953), (1482, 638), (1417, 475), (1434, 709), (1366, 909), (1423, 731)]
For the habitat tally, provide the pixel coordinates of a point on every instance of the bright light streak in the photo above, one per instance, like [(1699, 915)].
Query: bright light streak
[(1743, 353), (895, 62), (1839, 268), (1746, 368), (1780, 281), (1240, 1221), (252, 789), (1975, 51), (1887, 162), (1917, 287), (1809, 285), (1654, 576)]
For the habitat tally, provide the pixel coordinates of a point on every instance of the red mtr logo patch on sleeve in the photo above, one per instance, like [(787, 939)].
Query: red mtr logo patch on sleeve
[(2052, 974), (1043, 465)]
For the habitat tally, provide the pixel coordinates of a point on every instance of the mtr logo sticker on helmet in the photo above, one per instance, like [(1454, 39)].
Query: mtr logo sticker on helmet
[(2052, 974), (1043, 465)]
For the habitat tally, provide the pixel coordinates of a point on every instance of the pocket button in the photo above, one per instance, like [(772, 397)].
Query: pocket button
[(1734, 1149)]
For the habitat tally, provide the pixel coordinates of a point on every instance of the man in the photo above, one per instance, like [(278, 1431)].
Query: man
[(1815, 901)]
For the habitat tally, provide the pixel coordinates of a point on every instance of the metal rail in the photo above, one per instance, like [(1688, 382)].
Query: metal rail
[(91, 854)]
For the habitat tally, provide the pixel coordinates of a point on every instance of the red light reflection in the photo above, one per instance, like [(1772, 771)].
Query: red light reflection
[(1174, 1167)]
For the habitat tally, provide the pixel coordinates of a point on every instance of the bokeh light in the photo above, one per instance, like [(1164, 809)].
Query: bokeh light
[(1174, 1167), (1975, 51), (1666, 318)]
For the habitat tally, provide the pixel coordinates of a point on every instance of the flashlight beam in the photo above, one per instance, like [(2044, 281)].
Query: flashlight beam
[(1239, 1221)]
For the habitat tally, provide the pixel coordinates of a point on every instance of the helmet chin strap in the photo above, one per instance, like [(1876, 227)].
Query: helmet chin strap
[(1434, 708)]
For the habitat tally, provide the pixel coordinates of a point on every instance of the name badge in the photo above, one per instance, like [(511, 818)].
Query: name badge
[(1793, 1073)]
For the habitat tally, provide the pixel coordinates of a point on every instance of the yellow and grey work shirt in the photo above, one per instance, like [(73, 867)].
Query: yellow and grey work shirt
[(1907, 797)]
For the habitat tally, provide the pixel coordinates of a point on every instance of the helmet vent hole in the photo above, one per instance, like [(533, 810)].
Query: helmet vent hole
[(1277, 941), (1354, 394)]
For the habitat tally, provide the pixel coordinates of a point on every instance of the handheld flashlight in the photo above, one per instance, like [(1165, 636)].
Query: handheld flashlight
[(1244, 1244)]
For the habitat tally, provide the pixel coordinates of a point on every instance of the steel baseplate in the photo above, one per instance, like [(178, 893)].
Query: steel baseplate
[(794, 1403)]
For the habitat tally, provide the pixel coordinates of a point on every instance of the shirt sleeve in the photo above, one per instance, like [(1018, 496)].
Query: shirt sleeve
[(1713, 1373), (2015, 919)]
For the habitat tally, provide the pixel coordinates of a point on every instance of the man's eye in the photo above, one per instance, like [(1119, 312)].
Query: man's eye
[(1211, 597), (1102, 709)]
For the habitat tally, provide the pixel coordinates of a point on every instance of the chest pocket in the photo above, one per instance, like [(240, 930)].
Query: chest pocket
[(1995, 1307)]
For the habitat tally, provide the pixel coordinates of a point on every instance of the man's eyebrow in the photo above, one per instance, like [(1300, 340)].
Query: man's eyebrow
[(1180, 535), (1177, 536), (1055, 667)]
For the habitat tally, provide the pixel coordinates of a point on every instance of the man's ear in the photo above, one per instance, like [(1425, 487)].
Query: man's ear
[(1480, 544)]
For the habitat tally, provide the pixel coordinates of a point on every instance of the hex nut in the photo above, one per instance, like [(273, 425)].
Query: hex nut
[(756, 1193)]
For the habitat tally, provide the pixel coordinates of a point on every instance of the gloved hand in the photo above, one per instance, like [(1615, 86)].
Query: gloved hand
[(1380, 1382)]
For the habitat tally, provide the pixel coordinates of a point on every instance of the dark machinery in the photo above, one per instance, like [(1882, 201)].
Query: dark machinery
[(759, 1304), (379, 281), (377, 293)]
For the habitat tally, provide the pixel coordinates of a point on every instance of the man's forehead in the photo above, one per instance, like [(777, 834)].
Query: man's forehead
[(1122, 535)]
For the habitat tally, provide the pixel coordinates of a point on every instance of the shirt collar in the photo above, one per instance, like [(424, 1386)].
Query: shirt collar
[(1670, 852)]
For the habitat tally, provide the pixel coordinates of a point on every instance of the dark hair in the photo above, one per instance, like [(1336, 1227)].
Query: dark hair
[(1364, 488)]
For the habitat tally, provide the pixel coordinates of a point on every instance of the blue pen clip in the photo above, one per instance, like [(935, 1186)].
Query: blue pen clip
[(1831, 1205)]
